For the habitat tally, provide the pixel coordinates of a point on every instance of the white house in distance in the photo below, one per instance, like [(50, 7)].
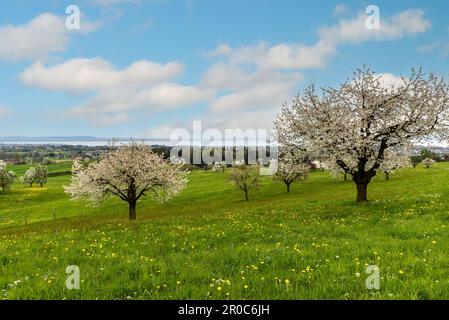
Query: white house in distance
[(319, 164)]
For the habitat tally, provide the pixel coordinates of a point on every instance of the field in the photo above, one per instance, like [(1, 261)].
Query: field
[(209, 243)]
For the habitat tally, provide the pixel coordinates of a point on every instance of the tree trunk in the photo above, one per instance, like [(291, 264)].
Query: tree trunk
[(361, 191), (387, 175), (288, 187), (42, 185), (246, 195), (345, 176), (132, 210), (31, 185)]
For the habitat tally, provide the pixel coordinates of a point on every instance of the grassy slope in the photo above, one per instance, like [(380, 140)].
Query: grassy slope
[(311, 243)]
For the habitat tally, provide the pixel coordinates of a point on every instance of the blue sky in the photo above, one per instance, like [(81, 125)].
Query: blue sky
[(143, 67)]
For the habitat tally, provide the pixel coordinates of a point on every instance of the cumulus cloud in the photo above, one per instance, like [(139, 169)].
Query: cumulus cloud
[(222, 76), (143, 84), (389, 80), (36, 39), (258, 97), (405, 24), (263, 76), (300, 56), (157, 98), (244, 87), (240, 89), (221, 50), (84, 75)]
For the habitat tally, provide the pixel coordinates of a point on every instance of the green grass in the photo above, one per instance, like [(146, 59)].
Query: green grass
[(209, 243)]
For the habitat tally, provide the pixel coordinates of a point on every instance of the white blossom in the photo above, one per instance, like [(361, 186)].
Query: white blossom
[(354, 125), (129, 172), (28, 177), (428, 162), (292, 166), (219, 166), (7, 178), (394, 159), (245, 177), (38, 174)]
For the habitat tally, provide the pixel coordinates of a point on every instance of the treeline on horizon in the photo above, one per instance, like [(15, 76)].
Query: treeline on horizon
[(49, 154)]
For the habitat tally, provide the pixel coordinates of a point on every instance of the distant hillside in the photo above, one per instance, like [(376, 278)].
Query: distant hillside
[(62, 138)]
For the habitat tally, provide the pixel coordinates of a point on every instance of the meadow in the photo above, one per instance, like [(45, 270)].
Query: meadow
[(209, 243)]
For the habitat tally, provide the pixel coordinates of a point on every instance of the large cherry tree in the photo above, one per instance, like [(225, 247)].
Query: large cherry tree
[(354, 125)]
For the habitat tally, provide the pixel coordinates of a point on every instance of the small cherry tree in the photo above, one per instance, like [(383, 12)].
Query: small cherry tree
[(7, 178), (129, 172), (292, 166), (41, 175), (393, 161), (427, 162), (219, 166), (38, 174), (28, 177), (245, 177)]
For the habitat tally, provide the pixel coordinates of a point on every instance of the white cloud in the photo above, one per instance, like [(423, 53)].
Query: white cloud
[(222, 76), (259, 97), (143, 84), (300, 56), (240, 89), (245, 87), (157, 98), (44, 34), (405, 24), (221, 50), (171, 95), (36, 39), (257, 79), (389, 79), (84, 75)]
